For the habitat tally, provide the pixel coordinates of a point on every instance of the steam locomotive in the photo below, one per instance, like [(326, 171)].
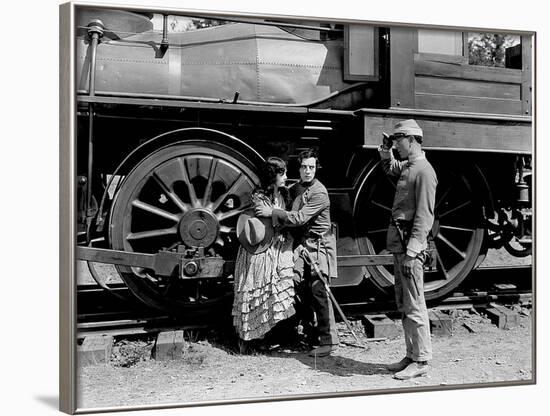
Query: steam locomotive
[(172, 127)]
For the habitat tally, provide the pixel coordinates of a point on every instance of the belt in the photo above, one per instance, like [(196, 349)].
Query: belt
[(404, 224)]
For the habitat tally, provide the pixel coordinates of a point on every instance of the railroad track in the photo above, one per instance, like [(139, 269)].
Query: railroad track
[(474, 299), (155, 324), (114, 316)]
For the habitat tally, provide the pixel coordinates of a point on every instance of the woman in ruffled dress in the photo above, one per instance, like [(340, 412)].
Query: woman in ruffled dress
[(263, 286)]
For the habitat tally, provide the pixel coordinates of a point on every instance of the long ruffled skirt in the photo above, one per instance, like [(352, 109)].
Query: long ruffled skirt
[(264, 289)]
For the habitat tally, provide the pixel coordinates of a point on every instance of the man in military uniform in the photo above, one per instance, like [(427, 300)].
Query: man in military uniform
[(310, 218), (412, 220)]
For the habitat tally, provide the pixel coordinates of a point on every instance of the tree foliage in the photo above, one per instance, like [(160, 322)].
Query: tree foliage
[(204, 23), (185, 24), (489, 49)]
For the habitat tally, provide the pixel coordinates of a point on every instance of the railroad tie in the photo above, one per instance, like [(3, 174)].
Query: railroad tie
[(502, 317), (95, 350), (169, 346), (441, 324), (379, 326)]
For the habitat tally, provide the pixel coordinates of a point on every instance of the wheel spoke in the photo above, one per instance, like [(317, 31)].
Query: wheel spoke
[(155, 210), (455, 209), (208, 190), (175, 199), (152, 233), (215, 205), (225, 215), (443, 197), (192, 195), (371, 248), (140, 271), (381, 230), (443, 269), (150, 278), (378, 204), (451, 245), (173, 246), (449, 227), (198, 291), (227, 230), (168, 287)]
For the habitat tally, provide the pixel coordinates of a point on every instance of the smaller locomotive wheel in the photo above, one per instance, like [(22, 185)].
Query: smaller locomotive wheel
[(457, 231), (518, 249), (188, 194)]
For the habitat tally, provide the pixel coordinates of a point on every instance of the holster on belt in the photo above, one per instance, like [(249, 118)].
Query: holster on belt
[(404, 229)]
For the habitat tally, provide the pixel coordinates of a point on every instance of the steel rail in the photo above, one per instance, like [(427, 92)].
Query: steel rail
[(155, 324), (95, 307), (134, 326)]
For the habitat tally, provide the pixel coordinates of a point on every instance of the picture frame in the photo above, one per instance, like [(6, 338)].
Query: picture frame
[(68, 335)]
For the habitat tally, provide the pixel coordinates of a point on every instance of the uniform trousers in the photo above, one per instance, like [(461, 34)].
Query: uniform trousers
[(314, 299), (409, 296)]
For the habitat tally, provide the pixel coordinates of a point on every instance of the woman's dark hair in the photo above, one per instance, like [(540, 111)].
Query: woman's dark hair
[(268, 174)]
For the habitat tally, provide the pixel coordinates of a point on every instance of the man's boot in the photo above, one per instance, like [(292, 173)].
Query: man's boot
[(322, 350), (414, 369), (400, 365)]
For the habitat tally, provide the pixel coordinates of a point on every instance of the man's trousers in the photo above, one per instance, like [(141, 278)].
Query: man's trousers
[(313, 297), (409, 296)]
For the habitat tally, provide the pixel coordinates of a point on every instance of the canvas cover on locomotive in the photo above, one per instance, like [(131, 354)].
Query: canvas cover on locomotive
[(263, 63)]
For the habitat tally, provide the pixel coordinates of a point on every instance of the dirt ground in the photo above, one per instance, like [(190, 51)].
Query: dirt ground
[(211, 369)]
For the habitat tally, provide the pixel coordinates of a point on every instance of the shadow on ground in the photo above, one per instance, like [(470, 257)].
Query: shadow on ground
[(337, 365)]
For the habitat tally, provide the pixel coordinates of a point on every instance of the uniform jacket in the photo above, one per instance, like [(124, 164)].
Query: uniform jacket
[(310, 216), (414, 200)]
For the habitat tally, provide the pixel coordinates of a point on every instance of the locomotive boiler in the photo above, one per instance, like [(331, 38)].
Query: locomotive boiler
[(173, 125)]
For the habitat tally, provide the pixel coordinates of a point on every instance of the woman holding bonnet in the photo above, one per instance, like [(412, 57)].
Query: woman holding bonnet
[(263, 287)]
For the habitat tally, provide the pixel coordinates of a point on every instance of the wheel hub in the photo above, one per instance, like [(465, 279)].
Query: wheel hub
[(199, 228)]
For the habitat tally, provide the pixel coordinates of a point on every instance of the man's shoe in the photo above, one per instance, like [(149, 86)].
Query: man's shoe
[(244, 346), (414, 369), (322, 351), (401, 365)]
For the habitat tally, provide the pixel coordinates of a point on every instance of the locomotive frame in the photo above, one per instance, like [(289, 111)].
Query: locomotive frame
[(328, 120)]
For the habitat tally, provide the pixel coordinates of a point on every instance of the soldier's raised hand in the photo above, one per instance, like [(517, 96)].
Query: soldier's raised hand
[(386, 141)]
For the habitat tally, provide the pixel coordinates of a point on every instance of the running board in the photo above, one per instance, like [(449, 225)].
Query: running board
[(166, 263)]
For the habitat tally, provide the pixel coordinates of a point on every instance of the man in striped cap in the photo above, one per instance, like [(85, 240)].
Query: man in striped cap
[(411, 222)]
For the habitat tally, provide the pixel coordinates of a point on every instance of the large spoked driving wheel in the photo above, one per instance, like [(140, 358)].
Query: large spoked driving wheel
[(184, 196), (457, 231)]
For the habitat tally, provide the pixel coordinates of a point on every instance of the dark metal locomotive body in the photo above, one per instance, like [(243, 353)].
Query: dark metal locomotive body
[(173, 126)]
